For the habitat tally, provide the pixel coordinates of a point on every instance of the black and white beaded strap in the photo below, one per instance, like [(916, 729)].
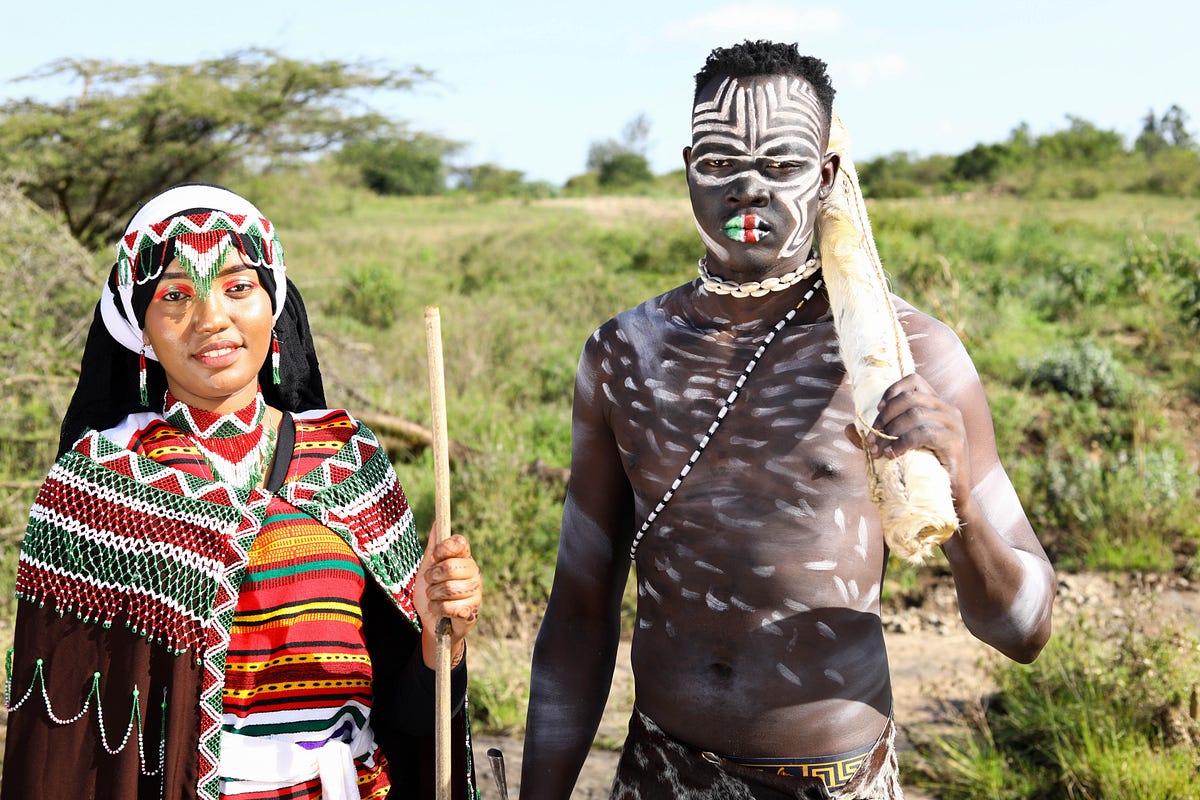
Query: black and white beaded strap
[(716, 423)]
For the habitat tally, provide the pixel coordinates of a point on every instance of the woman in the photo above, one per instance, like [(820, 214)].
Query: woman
[(221, 593)]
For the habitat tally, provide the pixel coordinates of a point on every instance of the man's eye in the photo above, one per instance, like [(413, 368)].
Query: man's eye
[(717, 163)]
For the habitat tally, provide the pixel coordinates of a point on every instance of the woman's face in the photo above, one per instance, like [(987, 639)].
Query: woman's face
[(211, 347)]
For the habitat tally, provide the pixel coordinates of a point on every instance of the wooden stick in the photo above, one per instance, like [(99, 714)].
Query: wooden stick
[(441, 495)]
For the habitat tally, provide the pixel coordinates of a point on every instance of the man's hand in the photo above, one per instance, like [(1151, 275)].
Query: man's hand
[(448, 584), (913, 416)]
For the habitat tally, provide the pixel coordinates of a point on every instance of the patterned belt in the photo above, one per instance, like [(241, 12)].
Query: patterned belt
[(836, 770)]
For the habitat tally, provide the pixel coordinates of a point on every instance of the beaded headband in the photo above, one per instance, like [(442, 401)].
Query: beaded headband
[(202, 244)]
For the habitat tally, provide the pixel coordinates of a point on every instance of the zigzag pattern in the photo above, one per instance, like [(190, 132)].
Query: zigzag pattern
[(356, 493), (135, 242), (148, 471), (93, 547), (126, 507), (213, 682)]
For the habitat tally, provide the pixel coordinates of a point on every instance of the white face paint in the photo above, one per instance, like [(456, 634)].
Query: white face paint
[(755, 169)]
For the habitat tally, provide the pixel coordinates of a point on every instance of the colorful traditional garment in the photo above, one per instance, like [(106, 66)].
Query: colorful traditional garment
[(654, 765), (147, 591)]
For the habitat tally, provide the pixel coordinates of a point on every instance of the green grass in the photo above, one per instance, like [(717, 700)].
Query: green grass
[(1107, 712)]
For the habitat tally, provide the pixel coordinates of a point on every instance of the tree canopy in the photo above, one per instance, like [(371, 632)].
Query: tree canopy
[(622, 163), (401, 162), (135, 129)]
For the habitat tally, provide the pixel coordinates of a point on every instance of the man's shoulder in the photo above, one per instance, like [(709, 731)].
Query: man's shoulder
[(938, 351), (919, 324), (645, 316)]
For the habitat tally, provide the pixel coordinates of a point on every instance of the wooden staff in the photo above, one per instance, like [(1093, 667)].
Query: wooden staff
[(441, 495)]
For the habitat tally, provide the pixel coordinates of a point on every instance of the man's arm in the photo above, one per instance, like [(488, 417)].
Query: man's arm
[(576, 646), (1004, 581)]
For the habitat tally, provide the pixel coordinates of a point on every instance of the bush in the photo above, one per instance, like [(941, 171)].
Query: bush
[(1129, 510), (1103, 714), (401, 165), (1083, 371), (1188, 299), (1072, 287), (623, 170), (1174, 172), (369, 294)]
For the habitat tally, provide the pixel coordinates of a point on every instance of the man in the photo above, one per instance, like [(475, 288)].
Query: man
[(712, 436)]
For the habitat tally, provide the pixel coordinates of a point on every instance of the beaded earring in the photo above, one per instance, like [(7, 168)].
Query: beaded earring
[(143, 394), (274, 358)]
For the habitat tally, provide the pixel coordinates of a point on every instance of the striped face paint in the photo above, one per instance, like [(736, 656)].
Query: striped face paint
[(755, 169)]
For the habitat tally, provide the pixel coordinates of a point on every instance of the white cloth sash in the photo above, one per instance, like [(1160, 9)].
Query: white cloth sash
[(259, 763)]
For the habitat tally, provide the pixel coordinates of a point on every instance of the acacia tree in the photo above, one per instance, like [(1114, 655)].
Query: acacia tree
[(135, 129), (622, 163)]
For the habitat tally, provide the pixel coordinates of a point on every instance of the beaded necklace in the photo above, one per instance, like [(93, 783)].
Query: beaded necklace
[(730, 399), (237, 447)]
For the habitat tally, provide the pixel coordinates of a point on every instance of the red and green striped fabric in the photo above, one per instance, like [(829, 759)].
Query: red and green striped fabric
[(297, 669)]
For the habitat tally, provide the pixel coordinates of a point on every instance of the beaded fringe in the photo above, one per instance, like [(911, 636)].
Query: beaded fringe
[(135, 714)]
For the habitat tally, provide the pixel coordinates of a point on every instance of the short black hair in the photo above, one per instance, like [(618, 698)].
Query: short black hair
[(767, 58)]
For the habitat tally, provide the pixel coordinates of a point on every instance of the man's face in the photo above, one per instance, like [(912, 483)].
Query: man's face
[(755, 169)]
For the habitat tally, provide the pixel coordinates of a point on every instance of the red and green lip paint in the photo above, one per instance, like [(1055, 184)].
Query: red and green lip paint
[(745, 228)]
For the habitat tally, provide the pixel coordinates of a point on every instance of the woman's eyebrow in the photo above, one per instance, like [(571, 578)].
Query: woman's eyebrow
[(232, 268), (175, 273)]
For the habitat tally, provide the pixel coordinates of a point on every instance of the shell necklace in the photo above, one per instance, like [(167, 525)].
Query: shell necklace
[(758, 288)]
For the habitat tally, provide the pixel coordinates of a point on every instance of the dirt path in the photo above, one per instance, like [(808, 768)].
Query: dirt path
[(934, 660)]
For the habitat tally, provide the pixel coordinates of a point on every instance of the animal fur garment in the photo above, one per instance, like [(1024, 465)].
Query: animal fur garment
[(912, 491)]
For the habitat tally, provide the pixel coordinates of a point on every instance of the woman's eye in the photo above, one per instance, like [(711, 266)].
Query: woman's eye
[(174, 296), (240, 287)]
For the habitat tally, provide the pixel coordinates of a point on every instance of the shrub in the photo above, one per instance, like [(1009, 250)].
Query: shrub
[(1129, 510), (1188, 299), (1073, 286), (1145, 266), (623, 170), (369, 294), (407, 164), (1084, 371), (1173, 172)]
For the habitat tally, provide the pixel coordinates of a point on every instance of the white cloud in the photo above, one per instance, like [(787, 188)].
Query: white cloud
[(778, 22), (863, 72)]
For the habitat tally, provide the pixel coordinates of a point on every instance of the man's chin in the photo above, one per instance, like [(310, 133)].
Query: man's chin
[(747, 263)]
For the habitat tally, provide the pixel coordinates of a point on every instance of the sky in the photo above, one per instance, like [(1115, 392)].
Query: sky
[(531, 85)]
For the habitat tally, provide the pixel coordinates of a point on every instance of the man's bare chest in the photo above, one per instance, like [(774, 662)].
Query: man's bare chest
[(784, 416)]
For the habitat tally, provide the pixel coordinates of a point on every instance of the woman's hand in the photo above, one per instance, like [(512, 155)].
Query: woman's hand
[(448, 584)]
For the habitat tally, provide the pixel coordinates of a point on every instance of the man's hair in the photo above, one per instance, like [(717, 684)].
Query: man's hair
[(766, 58)]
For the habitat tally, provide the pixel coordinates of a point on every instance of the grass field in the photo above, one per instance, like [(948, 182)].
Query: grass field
[(1081, 317)]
